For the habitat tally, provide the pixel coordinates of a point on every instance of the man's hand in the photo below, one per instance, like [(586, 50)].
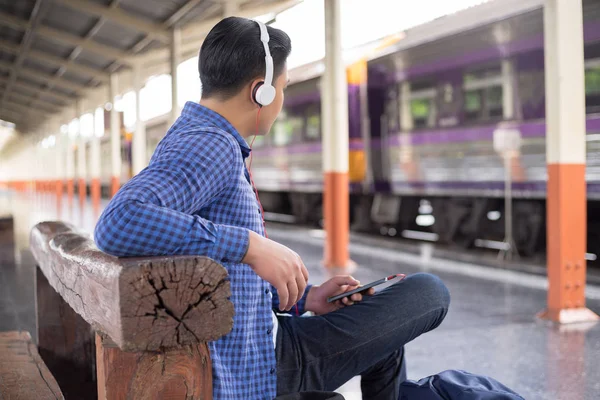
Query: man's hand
[(280, 266), (316, 300)]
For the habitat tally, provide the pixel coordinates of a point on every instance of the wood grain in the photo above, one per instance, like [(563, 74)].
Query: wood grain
[(65, 342), (23, 374), (178, 373), (140, 303)]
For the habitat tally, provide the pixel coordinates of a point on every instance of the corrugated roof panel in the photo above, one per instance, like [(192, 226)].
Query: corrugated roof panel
[(117, 35), (12, 35), (45, 69), (155, 10), (7, 58), (93, 60), (19, 8), (202, 11), (47, 99), (75, 78), (102, 2), (69, 20), (53, 47), (37, 81)]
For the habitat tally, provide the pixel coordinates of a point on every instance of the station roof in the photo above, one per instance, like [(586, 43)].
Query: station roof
[(52, 51)]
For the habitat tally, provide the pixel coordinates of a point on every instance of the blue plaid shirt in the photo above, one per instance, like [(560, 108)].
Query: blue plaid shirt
[(195, 198)]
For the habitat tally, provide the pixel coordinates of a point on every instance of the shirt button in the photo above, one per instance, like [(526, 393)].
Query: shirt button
[(266, 291), (259, 211), (269, 331), (272, 371)]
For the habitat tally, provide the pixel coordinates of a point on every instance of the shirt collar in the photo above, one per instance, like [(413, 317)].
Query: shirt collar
[(199, 112)]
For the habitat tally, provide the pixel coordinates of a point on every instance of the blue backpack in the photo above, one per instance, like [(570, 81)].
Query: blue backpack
[(456, 385)]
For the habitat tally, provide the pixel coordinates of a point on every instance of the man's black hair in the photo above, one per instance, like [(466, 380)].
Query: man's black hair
[(232, 55)]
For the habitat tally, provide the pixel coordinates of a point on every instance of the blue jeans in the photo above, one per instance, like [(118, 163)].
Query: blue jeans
[(367, 339)]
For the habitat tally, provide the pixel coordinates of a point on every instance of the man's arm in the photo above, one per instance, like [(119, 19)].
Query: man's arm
[(301, 304), (152, 214)]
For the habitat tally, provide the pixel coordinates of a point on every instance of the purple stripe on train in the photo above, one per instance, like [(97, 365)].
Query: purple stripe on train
[(535, 129), (531, 186)]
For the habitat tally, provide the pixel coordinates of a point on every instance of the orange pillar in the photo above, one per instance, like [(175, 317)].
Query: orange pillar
[(566, 158), (82, 191), (95, 195), (70, 191), (59, 194), (334, 95)]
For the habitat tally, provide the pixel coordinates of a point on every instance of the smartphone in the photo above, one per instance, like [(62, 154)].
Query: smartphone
[(365, 287)]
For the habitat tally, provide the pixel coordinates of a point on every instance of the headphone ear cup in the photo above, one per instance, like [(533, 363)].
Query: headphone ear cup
[(255, 92)]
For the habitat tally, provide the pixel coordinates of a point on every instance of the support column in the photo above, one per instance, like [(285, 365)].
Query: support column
[(334, 95), (95, 167), (139, 136), (115, 138), (70, 168), (175, 60), (81, 159), (565, 153), (60, 170)]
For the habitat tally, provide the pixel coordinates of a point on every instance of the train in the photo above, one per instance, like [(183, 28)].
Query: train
[(423, 110)]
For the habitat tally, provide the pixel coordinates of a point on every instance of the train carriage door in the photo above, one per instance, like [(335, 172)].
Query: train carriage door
[(381, 101)]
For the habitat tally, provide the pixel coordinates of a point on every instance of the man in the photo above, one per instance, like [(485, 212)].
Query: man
[(195, 197)]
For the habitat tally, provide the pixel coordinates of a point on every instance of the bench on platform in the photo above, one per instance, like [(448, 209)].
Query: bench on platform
[(128, 328), (7, 239), (23, 374)]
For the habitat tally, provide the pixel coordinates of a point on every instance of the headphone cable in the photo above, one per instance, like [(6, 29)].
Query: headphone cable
[(262, 211)]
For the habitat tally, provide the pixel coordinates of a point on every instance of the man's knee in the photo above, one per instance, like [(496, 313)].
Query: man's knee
[(430, 291)]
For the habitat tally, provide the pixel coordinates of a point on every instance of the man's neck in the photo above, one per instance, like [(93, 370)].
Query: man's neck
[(235, 111)]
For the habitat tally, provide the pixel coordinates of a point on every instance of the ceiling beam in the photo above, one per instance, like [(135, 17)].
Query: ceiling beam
[(64, 37), (94, 47), (14, 22), (63, 99), (121, 17), (37, 75), (26, 101), (22, 107), (97, 74), (37, 14)]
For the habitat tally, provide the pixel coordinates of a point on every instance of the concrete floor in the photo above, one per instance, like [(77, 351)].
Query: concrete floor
[(491, 328)]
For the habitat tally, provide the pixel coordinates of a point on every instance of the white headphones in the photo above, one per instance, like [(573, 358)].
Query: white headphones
[(264, 93)]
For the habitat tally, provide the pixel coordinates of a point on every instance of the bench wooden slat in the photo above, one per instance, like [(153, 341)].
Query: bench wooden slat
[(142, 304), (23, 374)]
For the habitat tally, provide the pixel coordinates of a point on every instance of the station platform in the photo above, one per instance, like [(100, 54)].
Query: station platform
[(491, 328)]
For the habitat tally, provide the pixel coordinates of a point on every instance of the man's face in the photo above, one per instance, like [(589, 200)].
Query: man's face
[(269, 113)]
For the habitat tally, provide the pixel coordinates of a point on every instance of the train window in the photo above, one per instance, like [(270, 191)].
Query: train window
[(422, 104), (592, 89), (420, 109), (483, 94), (313, 122), (286, 128)]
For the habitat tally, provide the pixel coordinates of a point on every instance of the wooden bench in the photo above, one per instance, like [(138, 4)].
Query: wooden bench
[(128, 328), (7, 240), (23, 374)]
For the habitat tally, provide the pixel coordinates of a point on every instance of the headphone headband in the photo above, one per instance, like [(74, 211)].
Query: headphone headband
[(265, 94)]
